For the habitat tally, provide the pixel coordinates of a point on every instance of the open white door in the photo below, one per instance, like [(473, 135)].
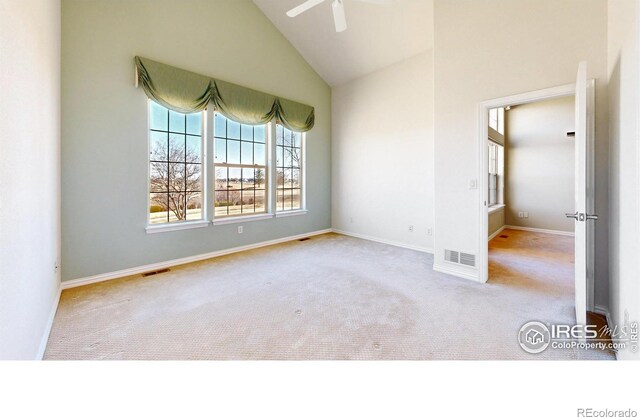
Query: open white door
[(581, 215)]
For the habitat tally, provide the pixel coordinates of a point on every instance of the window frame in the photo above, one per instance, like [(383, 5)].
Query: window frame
[(267, 185), (182, 224), (302, 179), (208, 178)]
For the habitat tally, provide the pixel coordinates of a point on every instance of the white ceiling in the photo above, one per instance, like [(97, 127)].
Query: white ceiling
[(377, 35)]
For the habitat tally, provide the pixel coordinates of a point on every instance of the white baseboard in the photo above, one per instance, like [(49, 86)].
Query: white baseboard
[(175, 262), (385, 241), (49, 325), (456, 270), (533, 229), (497, 232)]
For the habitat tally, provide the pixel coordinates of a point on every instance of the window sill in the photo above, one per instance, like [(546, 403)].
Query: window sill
[(291, 213), (177, 226), (242, 219), (495, 208)]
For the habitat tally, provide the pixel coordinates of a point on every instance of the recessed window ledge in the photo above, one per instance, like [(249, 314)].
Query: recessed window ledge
[(168, 227), (242, 219), (291, 213), (496, 207)]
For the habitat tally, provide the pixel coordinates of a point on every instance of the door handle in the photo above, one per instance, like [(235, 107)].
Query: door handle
[(575, 216), (581, 217)]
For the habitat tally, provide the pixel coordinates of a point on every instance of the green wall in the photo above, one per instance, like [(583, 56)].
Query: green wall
[(104, 122)]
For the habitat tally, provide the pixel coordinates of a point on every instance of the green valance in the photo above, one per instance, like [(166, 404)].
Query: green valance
[(187, 92)]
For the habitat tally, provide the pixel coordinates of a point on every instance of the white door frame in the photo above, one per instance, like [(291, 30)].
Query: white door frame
[(482, 152)]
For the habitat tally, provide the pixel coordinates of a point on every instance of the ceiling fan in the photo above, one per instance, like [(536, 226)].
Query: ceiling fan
[(339, 17)]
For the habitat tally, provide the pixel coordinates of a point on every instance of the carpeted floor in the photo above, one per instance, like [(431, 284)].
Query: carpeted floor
[(330, 297)]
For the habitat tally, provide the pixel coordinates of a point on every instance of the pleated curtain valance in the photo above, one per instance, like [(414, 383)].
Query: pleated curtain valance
[(187, 92)]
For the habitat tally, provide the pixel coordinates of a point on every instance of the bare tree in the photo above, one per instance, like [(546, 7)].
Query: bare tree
[(259, 177), (177, 185)]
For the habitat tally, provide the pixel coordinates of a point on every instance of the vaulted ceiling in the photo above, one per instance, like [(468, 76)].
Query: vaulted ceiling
[(377, 35)]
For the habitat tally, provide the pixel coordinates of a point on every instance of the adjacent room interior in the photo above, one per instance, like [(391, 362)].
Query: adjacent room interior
[(288, 183)]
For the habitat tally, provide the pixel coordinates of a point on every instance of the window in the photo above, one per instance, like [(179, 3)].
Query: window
[(240, 163), (496, 173), (288, 169), (257, 170), (175, 166), (496, 120)]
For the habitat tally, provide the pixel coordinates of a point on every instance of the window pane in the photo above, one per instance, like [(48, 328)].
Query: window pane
[(233, 129), (260, 178), (193, 179), (296, 202), (280, 199), (235, 207), (295, 178), (287, 157), (295, 157), (176, 122), (194, 149), (159, 119), (248, 177), (219, 125), (158, 204), (297, 140), (259, 155), (194, 206), (279, 156), (247, 153), (194, 123), (177, 207), (159, 143), (247, 132), (233, 152), (176, 148), (279, 134), (221, 179), (260, 134), (235, 179), (176, 177), (221, 203), (158, 180), (287, 199), (260, 201), (247, 202), (280, 177), (220, 151)]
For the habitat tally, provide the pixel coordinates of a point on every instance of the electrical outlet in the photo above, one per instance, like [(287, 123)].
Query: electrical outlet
[(411, 228), (429, 232), (473, 184), (520, 214), (240, 230)]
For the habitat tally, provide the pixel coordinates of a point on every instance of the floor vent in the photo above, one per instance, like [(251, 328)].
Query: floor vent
[(159, 271), (461, 258), (303, 239), (504, 236), (452, 256)]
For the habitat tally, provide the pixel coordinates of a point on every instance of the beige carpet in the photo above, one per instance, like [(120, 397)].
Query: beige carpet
[(330, 297)]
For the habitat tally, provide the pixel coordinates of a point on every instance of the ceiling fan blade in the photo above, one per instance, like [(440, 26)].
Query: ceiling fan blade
[(339, 17), (303, 7)]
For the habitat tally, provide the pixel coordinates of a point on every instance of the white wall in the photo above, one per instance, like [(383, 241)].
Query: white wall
[(624, 223), (29, 173), (382, 154), (528, 45), (540, 164)]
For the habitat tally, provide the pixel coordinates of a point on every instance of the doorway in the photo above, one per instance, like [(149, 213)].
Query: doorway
[(490, 190)]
